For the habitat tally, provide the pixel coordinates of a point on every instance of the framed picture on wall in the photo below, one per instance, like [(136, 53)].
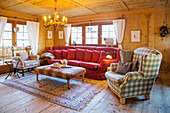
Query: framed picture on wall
[(49, 35), (60, 35), (135, 35)]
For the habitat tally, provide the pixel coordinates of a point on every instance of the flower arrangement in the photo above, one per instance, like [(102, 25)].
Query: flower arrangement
[(163, 31)]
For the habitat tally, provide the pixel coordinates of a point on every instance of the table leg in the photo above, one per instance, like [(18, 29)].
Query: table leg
[(83, 78), (68, 83), (37, 76), (22, 72), (10, 73)]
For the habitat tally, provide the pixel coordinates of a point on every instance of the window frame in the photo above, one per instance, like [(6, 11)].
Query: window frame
[(22, 34), (11, 33), (71, 36), (99, 34)]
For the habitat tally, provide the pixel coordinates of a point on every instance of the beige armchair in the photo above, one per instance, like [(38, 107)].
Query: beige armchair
[(23, 59), (136, 83)]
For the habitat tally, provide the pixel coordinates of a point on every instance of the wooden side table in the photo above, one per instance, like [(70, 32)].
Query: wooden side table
[(10, 65)]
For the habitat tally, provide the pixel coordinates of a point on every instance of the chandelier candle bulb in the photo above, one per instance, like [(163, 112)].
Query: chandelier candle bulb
[(49, 17), (55, 20)]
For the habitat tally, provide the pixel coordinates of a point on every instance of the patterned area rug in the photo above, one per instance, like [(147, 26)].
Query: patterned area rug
[(55, 89)]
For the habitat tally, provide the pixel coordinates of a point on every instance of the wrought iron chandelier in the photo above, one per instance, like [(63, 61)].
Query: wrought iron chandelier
[(56, 20)]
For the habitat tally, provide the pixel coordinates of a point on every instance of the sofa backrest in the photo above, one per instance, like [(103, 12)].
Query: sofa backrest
[(106, 49)]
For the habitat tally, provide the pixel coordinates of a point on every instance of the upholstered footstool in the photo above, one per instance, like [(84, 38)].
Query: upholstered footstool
[(67, 73)]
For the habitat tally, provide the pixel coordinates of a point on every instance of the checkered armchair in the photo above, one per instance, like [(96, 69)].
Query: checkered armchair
[(23, 59), (136, 83)]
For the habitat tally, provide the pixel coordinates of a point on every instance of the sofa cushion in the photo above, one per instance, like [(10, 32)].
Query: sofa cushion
[(96, 55), (57, 54), (89, 65), (54, 61), (88, 55), (80, 54), (64, 53), (52, 52), (74, 62), (24, 55), (102, 56), (71, 54)]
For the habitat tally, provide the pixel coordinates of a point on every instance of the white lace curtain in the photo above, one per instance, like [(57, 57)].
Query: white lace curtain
[(67, 32), (3, 21), (33, 35), (119, 26)]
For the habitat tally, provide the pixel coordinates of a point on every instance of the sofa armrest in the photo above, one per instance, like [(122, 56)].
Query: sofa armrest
[(34, 57), (105, 64)]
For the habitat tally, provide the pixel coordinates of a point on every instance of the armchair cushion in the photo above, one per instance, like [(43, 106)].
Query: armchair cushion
[(123, 68), (24, 55), (126, 56)]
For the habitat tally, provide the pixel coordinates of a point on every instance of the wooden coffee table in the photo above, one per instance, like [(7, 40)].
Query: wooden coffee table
[(67, 73)]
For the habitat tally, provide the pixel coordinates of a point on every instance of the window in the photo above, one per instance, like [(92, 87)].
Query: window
[(22, 36), (7, 37), (91, 35), (108, 32), (76, 36)]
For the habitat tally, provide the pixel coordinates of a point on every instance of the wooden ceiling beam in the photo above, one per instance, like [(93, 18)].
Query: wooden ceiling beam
[(83, 6), (166, 3), (16, 4), (124, 5), (27, 2)]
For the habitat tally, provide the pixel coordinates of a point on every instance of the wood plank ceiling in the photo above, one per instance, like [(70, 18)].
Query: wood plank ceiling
[(71, 8)]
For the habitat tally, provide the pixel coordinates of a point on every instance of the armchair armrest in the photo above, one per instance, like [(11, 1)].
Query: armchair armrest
[(33, 57), (136, 75), (105, 64), (18, 59)]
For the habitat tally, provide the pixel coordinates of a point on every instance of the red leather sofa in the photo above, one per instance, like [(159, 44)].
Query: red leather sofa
[(90, 57)]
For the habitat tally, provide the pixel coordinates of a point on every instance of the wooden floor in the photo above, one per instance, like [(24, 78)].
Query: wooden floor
[(16, 101)]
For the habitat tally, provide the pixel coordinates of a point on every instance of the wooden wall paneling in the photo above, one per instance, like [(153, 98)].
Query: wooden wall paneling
[(59, 42), (158, 42), (49, 42), (14, 34), (136, 22)]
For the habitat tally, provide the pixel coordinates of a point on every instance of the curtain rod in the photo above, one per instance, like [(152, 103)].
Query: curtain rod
[(100, 20), (20, 18)]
